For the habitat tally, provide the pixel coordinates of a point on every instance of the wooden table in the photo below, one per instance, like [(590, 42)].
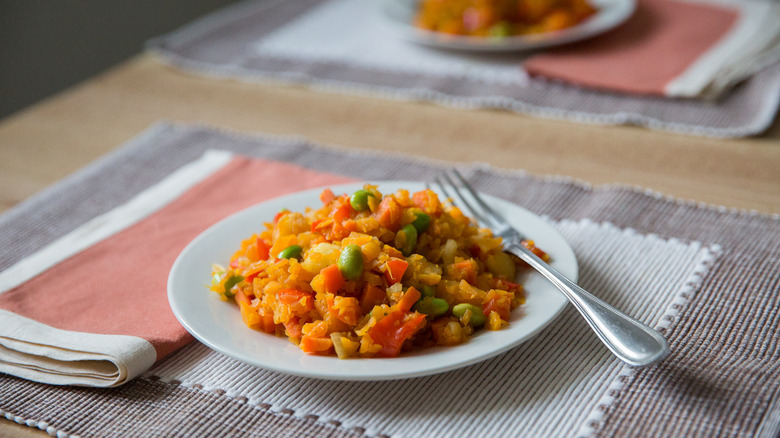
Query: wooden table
[(54, 138), (48, 141)]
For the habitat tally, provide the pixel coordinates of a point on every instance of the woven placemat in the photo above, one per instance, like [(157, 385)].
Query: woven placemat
[(231, 44), (705, 276)]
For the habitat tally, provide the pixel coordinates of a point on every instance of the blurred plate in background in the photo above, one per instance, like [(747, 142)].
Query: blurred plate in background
[(399, 15)]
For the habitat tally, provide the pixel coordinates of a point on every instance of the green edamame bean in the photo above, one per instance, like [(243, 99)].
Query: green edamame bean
[(421, 222), (459, 309), (232, 281), (411, 239), (500, 30), (477, 317), (291, 252), (351, 262), (427, 290), (359, 199), (432, 306)]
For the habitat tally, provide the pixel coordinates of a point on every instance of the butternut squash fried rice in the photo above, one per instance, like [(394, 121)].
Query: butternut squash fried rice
[(372, 275)]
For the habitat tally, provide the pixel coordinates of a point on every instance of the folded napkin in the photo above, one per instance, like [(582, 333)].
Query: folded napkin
[(672, 48), (90, 308)]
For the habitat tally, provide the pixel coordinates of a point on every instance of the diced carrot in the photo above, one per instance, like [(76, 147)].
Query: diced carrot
[(283, 242), (393, 252), (248, 314), (371, 296), (337, 232), (332, 279), (498, 302), (312, 345), (467, 270), (242, 298), (291, 296), (395, 270), (318, 329), (350, 225), (343, 210), (263, 249), (428, 201), (293, 327), (318, 239), (327, 196), (298, 301), (252, 272), (402, 197), (279, 215), (389, 213), (420, 198), (507, 285), (345, 309), (267, 321), (408, 299), (315, 225), (251, 253), (395, 328)]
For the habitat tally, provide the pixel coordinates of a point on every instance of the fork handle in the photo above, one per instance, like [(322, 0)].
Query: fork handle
[(631, 341)]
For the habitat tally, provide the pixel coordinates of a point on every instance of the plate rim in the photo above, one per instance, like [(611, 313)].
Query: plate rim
[(251, 359)]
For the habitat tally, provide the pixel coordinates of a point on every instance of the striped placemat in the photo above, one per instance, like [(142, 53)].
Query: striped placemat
[(705, 276), (341, 46)]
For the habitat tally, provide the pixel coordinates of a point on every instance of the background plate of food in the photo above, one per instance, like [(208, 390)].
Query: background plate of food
[(502, 25)]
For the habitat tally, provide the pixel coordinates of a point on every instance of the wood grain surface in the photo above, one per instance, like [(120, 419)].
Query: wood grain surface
[(56, 137)]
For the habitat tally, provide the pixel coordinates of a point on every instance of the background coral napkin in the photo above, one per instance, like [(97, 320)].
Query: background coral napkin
[(649, 54)]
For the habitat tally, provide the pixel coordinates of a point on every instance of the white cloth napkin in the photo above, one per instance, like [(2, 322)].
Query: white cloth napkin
[(42, 353), (753, 44)]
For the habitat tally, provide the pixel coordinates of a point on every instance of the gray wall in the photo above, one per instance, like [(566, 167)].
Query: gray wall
[(48, 45)]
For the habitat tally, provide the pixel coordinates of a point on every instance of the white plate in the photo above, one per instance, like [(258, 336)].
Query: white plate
[(218, 323), (399, 15)]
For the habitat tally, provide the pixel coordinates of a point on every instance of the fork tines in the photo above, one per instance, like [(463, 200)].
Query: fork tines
[(453, 183)]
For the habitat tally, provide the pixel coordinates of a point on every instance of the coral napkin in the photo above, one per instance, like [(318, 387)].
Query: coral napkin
[(90, 308), (671, 48)]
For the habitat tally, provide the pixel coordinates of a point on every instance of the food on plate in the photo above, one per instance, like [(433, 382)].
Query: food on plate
[(369, 275), (500, 18)]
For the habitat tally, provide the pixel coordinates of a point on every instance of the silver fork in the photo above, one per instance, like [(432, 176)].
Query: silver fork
[(630, 340)]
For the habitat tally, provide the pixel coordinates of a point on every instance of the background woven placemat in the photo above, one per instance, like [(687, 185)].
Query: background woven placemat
[(223, 45)]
